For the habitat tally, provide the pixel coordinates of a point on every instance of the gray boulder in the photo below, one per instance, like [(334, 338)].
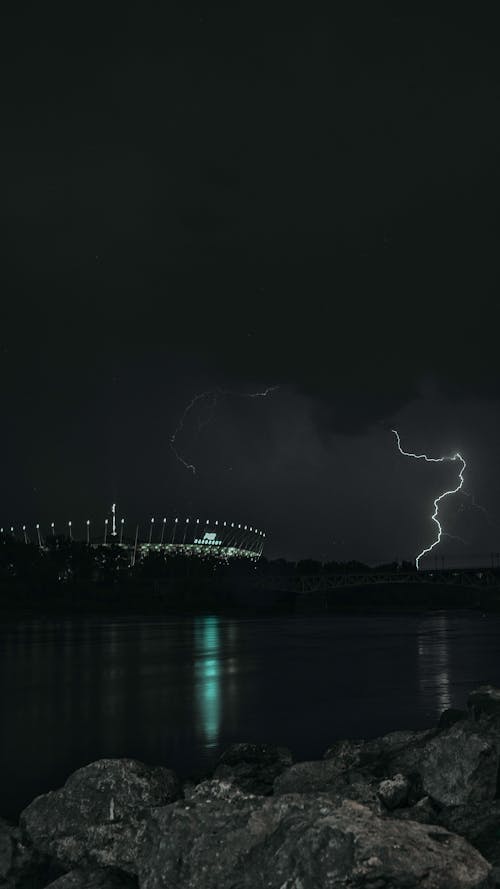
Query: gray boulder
[(215, 790), (309, 777), (253, 767), (374, 754), (346, 754), (324, 776), (423, 811), (19, 862), (393, 792), (456, 767), (94, 878), (451, 716), (479, 824), (98, 817), (484, 701), (296, 841)]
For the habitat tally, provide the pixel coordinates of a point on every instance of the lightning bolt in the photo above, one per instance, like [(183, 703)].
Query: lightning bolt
[(180, 426), (214, 395), (437, 501), (254, 394)]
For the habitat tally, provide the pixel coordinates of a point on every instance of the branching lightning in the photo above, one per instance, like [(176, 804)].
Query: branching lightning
[(475, 505), (180, 426), (213, 395), (437, 501), (254, 394)]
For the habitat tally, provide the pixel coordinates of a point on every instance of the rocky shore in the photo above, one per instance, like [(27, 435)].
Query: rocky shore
[(410, 809)]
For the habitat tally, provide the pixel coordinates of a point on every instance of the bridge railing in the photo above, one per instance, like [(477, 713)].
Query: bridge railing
[(311, 583)]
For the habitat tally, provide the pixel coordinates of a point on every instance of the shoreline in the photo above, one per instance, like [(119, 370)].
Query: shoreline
[(408, 809), (188, 599)]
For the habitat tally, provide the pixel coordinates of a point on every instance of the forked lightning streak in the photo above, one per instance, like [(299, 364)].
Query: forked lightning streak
[(213, 394), (434, 516)]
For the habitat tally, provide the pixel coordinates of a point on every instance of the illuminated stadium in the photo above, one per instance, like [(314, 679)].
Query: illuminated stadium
[(203, 538)]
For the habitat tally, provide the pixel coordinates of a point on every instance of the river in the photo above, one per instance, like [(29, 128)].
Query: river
[(178, 691)]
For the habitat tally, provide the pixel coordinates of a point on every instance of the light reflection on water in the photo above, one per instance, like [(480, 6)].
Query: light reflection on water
[(207, 677), (177, 691), (434, 659)]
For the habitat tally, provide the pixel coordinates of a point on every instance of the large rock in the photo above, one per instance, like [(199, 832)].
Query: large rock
[(393, 792), (324, 776), (373, 756), (20, 864), (451, 716), (479, 824), (215, 790), (95, 878), (424, 811), (346, 754), (484, 701), (253, 767), (456, 767), (301, 841), (99, 816)]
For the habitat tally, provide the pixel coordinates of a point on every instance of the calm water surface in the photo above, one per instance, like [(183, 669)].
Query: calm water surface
[(178, 691)]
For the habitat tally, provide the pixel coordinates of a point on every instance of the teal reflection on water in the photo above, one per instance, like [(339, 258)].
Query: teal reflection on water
[(208, 677)]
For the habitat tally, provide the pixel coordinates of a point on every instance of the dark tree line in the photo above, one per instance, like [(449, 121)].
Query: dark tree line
[(62, 560)]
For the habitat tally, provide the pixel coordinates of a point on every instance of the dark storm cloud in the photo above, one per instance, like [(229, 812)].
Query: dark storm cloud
[(206, 198)]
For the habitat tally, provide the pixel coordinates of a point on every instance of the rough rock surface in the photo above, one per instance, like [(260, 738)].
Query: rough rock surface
[(393, 792), (451, 716), (479, 824), (457, 766), (374, 753), (323, 776), (253, 767), (95, 878), (424, 811), (346, 754), (19, 862), (484, 701), (215, 789), (296, 841), (99, 816)]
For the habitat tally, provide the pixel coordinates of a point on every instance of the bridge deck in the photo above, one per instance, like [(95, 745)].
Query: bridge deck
[(313, 583)]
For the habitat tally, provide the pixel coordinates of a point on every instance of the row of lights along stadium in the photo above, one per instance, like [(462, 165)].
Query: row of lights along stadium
[(114, 532)]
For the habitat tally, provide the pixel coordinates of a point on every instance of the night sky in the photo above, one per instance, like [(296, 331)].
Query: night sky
[(211, 197)]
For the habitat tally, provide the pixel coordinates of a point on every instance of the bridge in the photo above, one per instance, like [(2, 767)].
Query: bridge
[(304, 584)]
